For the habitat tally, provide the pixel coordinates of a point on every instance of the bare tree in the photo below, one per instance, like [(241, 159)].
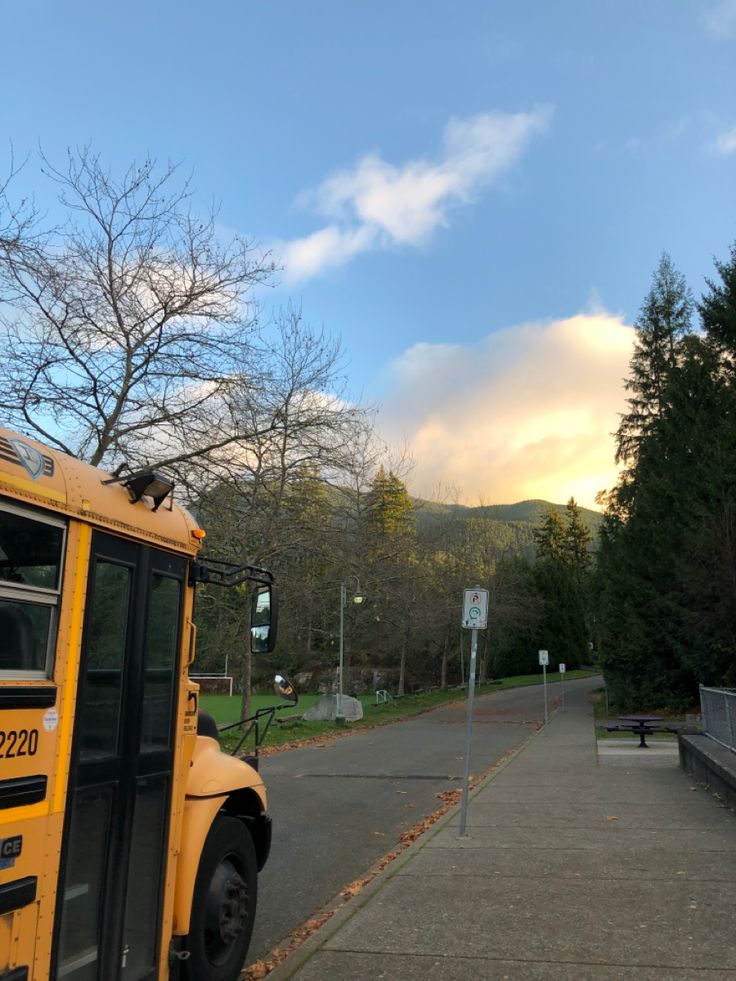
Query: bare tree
[(266, 494), (295, 413), (124, 329), (17, 220)]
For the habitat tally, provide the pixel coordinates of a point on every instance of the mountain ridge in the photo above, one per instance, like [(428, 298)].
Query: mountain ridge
[(525, 512)]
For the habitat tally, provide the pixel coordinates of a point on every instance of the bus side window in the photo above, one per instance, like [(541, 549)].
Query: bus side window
[(16, 639), (31, 556)]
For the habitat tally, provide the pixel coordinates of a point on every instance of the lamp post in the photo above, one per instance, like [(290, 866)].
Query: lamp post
[(357, 598)]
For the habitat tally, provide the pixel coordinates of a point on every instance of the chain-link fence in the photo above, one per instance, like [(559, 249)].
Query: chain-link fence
[(718, 710)]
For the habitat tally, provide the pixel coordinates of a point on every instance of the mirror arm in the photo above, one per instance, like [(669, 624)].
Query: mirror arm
[(244, 737), (217, 572), (255, 724), (268, 725)]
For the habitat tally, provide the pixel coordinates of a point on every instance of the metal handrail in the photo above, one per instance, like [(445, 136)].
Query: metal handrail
[(718, 713)]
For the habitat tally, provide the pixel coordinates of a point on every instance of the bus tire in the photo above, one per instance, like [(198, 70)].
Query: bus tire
[(224, 904)]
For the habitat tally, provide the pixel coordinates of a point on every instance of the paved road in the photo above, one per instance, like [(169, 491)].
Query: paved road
[(338, 808)]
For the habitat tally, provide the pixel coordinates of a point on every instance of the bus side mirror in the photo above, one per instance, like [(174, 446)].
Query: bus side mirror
[(263, 620)]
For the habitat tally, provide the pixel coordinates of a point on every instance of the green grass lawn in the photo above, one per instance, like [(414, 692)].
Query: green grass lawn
[(226, 709)]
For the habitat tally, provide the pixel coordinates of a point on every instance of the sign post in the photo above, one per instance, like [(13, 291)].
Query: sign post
[(563, 668), (544, 661), (475, 618)]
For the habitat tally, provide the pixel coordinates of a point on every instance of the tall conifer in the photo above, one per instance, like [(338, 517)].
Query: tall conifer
[(664, 318)]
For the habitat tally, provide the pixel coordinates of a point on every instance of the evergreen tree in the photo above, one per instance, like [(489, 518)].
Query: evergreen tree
[(390, 513), (561, 578), (578, 538), (550, 536), (385, 558), (664, 318), (667, 561), (718, 309), (518, 611)]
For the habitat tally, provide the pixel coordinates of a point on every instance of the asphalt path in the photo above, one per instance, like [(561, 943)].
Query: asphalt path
[(340, 806)]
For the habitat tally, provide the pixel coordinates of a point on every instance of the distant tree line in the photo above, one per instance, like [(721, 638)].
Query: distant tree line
[(409, 573), (665, 585)]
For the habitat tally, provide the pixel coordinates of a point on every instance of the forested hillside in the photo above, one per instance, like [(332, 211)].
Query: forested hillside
[(524, 513), (508, 525), (409, 561)]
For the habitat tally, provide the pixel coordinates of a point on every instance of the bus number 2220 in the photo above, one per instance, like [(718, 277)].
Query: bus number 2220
[(18, 742)]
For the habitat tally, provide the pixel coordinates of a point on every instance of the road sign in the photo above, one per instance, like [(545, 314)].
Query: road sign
[(543, 662), (475, 609), (562, 684)]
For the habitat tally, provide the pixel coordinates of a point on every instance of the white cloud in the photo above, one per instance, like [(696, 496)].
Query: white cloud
[(725, 143), (528, 413), (720, 19), (329, 247), (378, 204)]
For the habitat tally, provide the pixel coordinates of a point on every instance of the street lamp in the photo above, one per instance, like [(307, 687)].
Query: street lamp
[(357, 598)]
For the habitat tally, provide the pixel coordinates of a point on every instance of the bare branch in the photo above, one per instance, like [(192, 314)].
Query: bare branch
[(129, 320)]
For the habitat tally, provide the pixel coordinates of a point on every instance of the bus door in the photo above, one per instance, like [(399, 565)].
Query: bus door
[(113, 859)]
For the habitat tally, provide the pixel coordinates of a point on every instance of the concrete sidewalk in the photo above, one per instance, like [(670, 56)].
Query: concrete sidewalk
[(574, 866)]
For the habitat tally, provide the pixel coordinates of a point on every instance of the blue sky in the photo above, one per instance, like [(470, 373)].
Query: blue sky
[(472, 196)]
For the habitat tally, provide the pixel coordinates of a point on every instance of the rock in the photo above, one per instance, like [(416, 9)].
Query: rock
[(325, 709)]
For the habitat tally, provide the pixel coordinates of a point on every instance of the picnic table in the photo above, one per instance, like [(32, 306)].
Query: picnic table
[(641, 725)]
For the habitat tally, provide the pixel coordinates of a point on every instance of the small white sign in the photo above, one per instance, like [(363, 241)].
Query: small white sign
[(543, 659), (50, 719), (475, 609), (562, 669)]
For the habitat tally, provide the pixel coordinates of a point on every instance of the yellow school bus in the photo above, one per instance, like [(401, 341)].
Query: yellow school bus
[(129, 843)]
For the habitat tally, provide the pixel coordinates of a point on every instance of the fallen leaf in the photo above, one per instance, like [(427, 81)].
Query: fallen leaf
[(353, 889), (256, 971), (611, 818), (450, 796)]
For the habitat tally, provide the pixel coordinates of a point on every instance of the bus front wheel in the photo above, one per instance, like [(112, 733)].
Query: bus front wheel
[(224, 904)]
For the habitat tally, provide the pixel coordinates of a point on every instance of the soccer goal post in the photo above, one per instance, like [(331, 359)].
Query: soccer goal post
[(214, 684)]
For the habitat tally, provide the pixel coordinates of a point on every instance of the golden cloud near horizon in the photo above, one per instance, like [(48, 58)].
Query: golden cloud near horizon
[(527, 413)]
